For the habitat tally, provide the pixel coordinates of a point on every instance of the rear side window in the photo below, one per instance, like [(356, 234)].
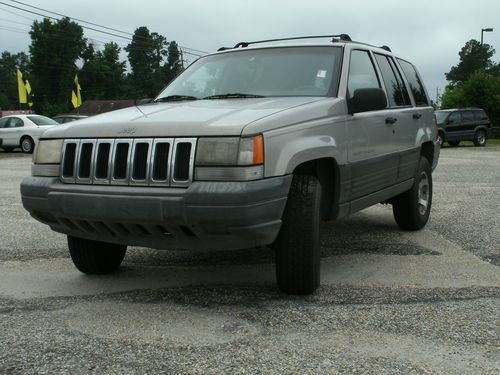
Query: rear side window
[(478, 116), (396, 91), (416, 86), (3, 122), (362, 73), (467, 116)]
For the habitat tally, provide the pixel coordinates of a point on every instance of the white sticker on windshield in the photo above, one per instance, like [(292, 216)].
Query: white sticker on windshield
[(321, 74)]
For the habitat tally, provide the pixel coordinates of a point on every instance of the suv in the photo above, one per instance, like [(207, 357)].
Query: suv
[(250, 146), (469, 124)]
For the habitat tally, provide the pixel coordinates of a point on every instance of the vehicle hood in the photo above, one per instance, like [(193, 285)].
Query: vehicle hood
[(179, 119)]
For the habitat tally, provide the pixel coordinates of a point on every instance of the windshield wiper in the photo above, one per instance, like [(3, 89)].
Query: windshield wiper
[(235, 95), (175, 98)]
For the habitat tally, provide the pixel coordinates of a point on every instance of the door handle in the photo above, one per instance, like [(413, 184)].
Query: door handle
[(391, 120), (416, 116)]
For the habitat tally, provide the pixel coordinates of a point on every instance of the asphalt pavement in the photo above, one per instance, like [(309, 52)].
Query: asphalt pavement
[(390, 301)]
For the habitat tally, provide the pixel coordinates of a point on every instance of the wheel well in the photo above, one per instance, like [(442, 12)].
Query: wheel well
[(427, 151), (24, 137), (327, 171)]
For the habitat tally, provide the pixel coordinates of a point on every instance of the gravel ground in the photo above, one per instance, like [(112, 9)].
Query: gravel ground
[(378, 321)]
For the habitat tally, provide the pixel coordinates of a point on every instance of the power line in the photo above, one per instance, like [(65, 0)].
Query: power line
[(195, 51)]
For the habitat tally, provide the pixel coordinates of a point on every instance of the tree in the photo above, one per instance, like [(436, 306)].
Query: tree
[(473, 56), (8, 65), (481, 90), (154, 62), (55, 47), (102, 75)]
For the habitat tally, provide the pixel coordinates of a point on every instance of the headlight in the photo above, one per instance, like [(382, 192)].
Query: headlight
[(48, 152), (47, 158), (230, 159)]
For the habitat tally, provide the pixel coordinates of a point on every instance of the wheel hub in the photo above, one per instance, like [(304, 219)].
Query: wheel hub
[(423, 193)]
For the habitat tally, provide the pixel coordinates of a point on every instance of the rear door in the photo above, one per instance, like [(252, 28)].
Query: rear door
[(468, 125), (408, 120), (11, 133), (453, 126)]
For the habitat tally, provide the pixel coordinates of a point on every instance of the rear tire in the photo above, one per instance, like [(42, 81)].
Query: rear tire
[(440, 139), (454, 143), (480, 138), (27, 145), (297, 245), (412, 208), (95, 257)]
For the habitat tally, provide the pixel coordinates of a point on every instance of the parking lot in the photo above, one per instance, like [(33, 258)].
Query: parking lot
[(390, 301)]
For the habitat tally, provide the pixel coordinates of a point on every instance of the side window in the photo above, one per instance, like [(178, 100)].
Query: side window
[(3, 122), (362, 73), (17, 123), (416, 86), (467, 116), (478, 116), (455, 118), (396, 91)]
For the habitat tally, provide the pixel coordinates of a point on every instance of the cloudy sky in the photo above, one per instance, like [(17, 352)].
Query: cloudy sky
[(427, 32)]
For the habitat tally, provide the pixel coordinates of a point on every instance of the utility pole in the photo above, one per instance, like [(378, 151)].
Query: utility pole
[(437, 97)]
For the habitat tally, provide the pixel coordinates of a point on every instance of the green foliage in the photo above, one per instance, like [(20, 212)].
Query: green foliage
[(479, 90), (55, 47), (473, 56), (8, 64), (103, 74), (153, 61), (475, 81)]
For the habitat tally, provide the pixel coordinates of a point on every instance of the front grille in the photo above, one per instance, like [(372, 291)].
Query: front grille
[(126, 161)]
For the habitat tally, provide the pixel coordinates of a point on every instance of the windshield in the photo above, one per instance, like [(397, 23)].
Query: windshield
[(290, 71), (42, 120), (441, 116)]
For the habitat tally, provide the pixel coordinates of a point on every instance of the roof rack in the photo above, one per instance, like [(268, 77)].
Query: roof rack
[(335, 38)]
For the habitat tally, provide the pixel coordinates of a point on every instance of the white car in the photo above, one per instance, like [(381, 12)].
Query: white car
[(23, 131)]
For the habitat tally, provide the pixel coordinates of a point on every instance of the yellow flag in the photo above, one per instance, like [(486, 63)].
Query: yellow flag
[(76, 98), (21, 88), (28, 91)]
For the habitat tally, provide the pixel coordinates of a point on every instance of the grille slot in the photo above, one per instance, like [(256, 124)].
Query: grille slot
[(140, 164), (120, 161), (102, 161), (85, 164), (160, 161), (68, 170), (182, 155)]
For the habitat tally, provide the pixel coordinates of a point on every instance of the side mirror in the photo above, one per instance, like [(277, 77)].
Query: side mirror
[(364, 100)]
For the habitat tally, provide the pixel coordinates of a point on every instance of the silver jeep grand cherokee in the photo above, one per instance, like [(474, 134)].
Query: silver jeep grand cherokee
[(249, 146)]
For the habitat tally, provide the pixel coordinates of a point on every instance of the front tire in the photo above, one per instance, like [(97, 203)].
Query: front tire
[(27, 145), (297, 245), (95, 257), (412, 208), (480, 138)]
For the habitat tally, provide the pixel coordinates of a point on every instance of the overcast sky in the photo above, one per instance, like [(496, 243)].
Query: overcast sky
[(428, 33)]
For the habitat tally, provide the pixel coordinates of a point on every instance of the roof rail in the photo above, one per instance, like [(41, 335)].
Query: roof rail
[(341, 37)]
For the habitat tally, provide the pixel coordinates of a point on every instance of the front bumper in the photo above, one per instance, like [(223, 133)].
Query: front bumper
[(206, 215)]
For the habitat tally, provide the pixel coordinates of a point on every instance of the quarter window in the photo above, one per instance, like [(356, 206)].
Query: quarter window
[(416, 86), (362, 73), (396, 91), (478, 116)]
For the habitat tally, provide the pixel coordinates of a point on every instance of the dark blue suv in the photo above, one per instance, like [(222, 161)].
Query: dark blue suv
[(468, 124)]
